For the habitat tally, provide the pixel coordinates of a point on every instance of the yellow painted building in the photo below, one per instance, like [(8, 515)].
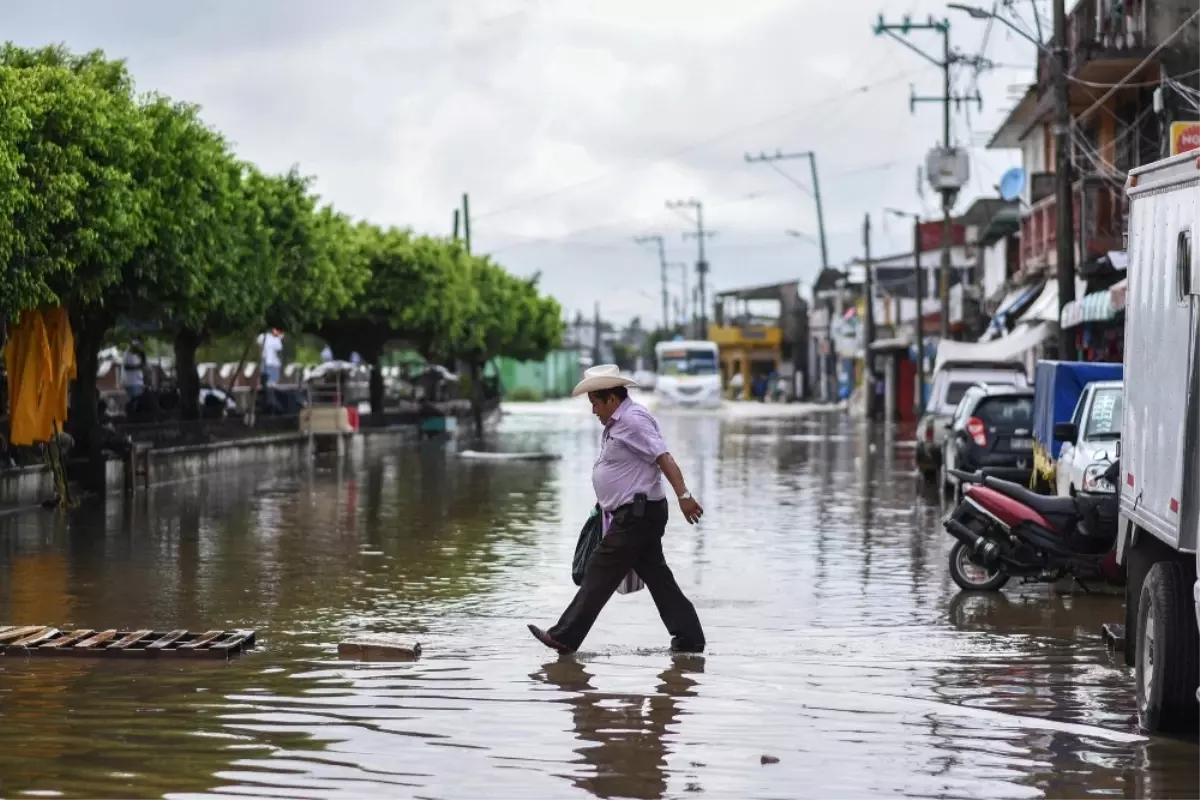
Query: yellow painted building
[(755, 333), (751, 350)]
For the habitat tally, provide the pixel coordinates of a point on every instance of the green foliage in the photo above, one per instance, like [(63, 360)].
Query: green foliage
[(73, 213), (524, 394), (118, 205), (508, 317)]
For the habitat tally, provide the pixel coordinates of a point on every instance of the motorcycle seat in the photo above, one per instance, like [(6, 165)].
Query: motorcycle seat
[(1046, 505)]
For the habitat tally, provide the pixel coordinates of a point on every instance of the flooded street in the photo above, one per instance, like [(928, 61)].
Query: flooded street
[(838, 644)]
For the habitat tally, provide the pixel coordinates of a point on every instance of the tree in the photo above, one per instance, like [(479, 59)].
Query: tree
[(202, 271), (415, 294), (83, 140), (508, 318)]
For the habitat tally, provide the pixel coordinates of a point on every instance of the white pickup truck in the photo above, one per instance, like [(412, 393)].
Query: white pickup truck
[(1089, 441), (1160, 443)]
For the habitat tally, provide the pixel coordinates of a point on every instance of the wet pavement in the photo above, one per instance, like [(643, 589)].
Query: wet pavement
[(838, 644)]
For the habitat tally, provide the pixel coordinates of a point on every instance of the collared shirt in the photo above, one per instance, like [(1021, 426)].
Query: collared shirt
[(628, 462)]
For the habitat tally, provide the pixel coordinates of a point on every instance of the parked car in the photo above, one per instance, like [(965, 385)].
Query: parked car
[(991, 432), (1058, 387), (1089, 440), (950, 383)]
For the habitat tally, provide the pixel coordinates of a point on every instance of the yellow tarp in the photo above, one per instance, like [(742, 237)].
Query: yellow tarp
[(40, 356)]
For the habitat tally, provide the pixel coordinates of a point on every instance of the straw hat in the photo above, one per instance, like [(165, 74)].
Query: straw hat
[(605, 376)]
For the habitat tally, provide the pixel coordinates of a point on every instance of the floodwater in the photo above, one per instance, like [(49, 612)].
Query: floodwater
[(842, 662)]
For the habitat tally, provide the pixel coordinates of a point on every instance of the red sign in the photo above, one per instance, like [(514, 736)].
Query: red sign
[(1184, 136), (931, 236)]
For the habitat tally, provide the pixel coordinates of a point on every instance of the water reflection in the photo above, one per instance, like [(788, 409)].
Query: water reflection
[(625, 735), (837, 641)]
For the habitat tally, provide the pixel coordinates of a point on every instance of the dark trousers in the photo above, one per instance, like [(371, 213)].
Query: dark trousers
[(631, 543)]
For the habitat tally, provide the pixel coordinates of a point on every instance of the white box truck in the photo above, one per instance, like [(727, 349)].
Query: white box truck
[(1160, 443)]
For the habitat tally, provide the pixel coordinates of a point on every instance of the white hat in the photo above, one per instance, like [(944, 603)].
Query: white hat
[(605, 376)]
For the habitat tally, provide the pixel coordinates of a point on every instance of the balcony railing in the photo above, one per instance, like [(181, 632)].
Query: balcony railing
[(1103, 29), (1101, 206), (1106, 25)]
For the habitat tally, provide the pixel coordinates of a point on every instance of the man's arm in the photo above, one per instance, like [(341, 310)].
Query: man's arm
[(674, 475), (687, 504)]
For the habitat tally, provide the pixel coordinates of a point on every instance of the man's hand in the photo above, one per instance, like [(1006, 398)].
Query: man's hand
[(691, 509)]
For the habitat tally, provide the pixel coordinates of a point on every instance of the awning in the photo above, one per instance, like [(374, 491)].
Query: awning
[(1010, 348), (1045, 308), (1101, 306), (1119, 292), (1012, 301)]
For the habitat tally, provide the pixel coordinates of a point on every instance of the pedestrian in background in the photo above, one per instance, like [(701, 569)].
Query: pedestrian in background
[(271, 351), (627, 478), (133, 370)]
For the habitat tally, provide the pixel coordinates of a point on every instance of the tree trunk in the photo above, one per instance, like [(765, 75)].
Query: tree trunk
[(376, 383), (83, 417), (477, 396), (188, 381)]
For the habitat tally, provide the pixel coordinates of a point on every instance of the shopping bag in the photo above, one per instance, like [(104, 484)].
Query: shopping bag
[(589, 540)]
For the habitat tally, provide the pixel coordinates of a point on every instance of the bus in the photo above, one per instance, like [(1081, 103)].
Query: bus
[(688, 374)]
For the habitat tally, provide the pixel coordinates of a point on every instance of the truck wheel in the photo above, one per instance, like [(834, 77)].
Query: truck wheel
[(972, 577), (1168, 651)]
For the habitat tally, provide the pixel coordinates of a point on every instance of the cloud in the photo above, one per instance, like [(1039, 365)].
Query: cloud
[(568, 123)]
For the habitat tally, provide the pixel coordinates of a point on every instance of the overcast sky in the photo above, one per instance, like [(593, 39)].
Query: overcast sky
[(571, 122)]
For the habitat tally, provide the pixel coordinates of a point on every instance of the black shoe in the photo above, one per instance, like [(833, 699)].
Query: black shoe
[(548, 640), (679, 646)]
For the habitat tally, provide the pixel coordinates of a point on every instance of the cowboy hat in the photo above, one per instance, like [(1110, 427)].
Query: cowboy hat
[(605, 376)]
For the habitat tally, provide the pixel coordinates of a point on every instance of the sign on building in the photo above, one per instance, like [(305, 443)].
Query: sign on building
[(1184, 136)]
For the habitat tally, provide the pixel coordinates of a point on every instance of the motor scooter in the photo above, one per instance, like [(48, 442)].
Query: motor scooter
[(1006, 531)]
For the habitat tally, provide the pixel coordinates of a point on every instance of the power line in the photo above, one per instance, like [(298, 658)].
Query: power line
[(770, 161), (1158, 49), (657, 239), (841, 96), (701, 263)]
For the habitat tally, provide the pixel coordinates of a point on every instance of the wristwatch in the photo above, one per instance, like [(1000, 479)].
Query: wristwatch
[(685, 496)]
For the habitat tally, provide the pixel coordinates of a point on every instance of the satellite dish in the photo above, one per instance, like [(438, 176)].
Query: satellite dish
[(1012, 183)]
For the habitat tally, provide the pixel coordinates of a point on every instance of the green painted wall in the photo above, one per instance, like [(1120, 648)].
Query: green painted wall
[(554, 376)]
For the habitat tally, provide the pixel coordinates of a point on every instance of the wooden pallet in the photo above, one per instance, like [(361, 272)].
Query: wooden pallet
[(39, 640)]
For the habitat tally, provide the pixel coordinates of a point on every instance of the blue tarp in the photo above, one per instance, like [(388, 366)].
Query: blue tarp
[(1056, 389)]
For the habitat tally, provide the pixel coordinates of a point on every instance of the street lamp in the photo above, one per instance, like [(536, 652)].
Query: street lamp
[(980, 13), (916, 218)]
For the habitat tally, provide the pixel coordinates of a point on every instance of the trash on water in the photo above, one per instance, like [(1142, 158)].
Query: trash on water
[(479, 455)]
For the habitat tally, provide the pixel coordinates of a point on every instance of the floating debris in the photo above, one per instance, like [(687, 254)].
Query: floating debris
[(380, 647), (478, 455), (40, 640)]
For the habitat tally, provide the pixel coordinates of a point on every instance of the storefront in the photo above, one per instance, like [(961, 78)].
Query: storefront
[(1098, 320)]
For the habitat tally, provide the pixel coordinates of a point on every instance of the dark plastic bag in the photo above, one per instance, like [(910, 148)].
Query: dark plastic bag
[(589, 540)]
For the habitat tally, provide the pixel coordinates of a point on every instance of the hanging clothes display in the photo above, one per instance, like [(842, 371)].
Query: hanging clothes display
[(40, 356)]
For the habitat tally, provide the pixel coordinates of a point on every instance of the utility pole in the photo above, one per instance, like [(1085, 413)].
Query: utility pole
[(816, 188), (466, 213), (869, 320), (657, 239), (1064, 201), (919, 401), (701, 264), (456, 214), (683, 295), (946, 63), (596, 337)]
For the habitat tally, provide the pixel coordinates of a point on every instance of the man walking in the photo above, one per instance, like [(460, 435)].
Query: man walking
[(627, 478)]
